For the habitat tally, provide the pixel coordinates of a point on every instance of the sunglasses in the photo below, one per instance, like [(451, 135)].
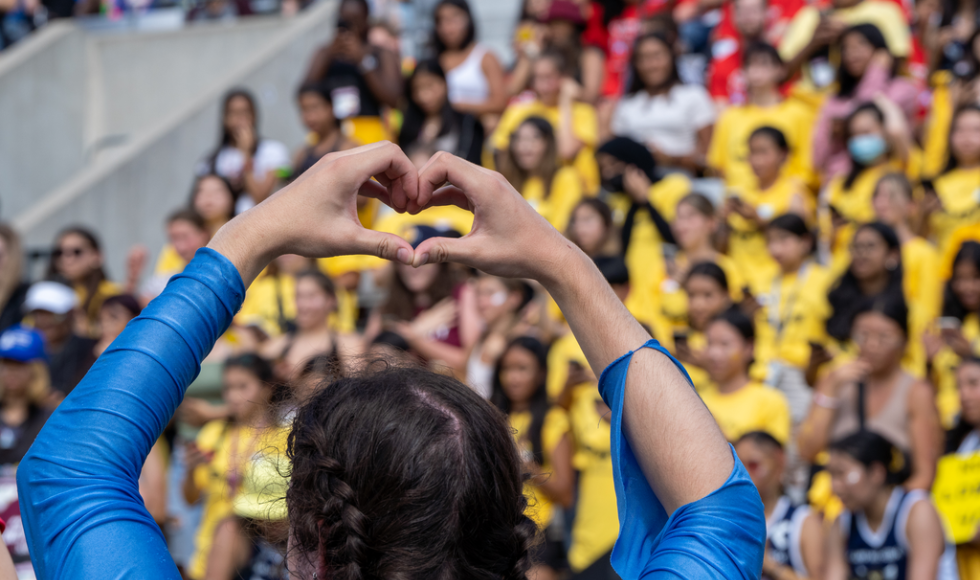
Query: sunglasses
[(73, 252)]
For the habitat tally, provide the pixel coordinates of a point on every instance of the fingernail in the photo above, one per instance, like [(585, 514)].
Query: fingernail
[(404, 256)]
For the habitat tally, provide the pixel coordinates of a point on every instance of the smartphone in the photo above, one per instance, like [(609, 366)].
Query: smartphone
[(680, 338), (949, 323)]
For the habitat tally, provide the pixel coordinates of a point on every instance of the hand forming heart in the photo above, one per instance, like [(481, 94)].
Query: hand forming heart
[(316, 216)]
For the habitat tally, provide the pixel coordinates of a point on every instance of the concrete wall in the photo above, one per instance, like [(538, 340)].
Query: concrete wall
[(128, 193), (42, 103)]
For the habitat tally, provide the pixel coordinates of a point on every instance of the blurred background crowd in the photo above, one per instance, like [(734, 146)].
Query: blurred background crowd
[(785, 192)]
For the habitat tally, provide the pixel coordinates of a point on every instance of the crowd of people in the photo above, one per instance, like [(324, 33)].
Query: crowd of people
[(786, 194)]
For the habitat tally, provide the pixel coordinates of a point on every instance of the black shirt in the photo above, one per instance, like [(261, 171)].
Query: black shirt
[(11, 313), (70, 363)]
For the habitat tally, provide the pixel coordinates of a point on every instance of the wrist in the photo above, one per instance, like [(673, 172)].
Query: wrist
[(248, 244)]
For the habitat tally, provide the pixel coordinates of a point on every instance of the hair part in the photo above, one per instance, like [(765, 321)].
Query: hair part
[(390, 469)]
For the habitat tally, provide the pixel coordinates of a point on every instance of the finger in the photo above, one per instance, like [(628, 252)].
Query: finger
[(375, 190), (448, 195), (438, 250), (385, 159), (382, 245), (445, 167)]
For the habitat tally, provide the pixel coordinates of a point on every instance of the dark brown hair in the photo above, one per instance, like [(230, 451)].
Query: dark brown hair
[(407, 474), (548, 166), (401, 302)]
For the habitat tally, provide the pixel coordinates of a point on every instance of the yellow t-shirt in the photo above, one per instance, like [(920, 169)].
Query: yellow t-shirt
[(959, 191), (937, 125), (585, 126), (555, 426), (887, 16), (269, 301), (729, 152), (563, 351), (439, 217), (923, 287), (645, 256), (944, 366), (596, 525), (344, 320), (169, 262), (220, 480), (854, 205), (565, 193), (753, 407), (747, 243), (953, 244), (795, 314)]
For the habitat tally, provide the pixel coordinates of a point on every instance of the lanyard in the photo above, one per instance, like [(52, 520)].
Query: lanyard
[(775, 319)]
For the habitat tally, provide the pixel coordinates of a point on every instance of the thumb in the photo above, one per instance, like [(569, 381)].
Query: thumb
[(383, 245), (438, 250)]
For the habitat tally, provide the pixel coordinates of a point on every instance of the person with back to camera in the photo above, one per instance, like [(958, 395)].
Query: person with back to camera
[(392, 471)]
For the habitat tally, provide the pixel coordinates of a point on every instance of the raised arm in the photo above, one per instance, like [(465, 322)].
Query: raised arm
[(673, 454), (79, 484)]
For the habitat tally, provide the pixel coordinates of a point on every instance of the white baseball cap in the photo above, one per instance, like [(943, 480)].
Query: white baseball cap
[(50, 297)]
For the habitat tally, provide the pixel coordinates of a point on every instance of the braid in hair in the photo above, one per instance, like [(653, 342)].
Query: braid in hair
[(404, 474)]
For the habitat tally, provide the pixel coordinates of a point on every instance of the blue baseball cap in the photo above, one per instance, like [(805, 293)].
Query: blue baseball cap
[(22, 344)]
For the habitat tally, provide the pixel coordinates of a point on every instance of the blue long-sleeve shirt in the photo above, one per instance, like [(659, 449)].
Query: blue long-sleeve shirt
[(79, 484)]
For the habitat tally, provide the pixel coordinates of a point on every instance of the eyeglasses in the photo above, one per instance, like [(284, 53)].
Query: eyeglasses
[(73, 252), (864, 249), (863, 339)]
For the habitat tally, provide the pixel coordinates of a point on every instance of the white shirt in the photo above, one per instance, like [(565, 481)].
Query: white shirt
[(269, 156), (670, 121), (467, 83)]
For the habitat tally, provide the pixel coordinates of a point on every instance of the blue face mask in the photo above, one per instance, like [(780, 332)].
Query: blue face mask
[(865, 149)]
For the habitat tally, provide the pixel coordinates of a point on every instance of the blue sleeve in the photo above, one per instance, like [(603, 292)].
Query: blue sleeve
[(719, 536), (79, 483)]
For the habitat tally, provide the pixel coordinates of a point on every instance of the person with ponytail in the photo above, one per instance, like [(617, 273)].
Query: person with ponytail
[(401, 472), (543, 440), (873, 392), (795, 311), (885, 531), (739, 404), (218, 461)]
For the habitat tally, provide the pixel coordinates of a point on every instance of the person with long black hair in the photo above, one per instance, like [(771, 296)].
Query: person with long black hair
[(13, 288), (251, 164), (530, 164), (674, 120), (867, 69), (959, 329), (888, 529), (543, 439), (872, 392), (474, 75), (432, 120), (402, 472)]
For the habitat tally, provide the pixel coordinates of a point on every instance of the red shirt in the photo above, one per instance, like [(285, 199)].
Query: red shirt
[(778, 16)]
